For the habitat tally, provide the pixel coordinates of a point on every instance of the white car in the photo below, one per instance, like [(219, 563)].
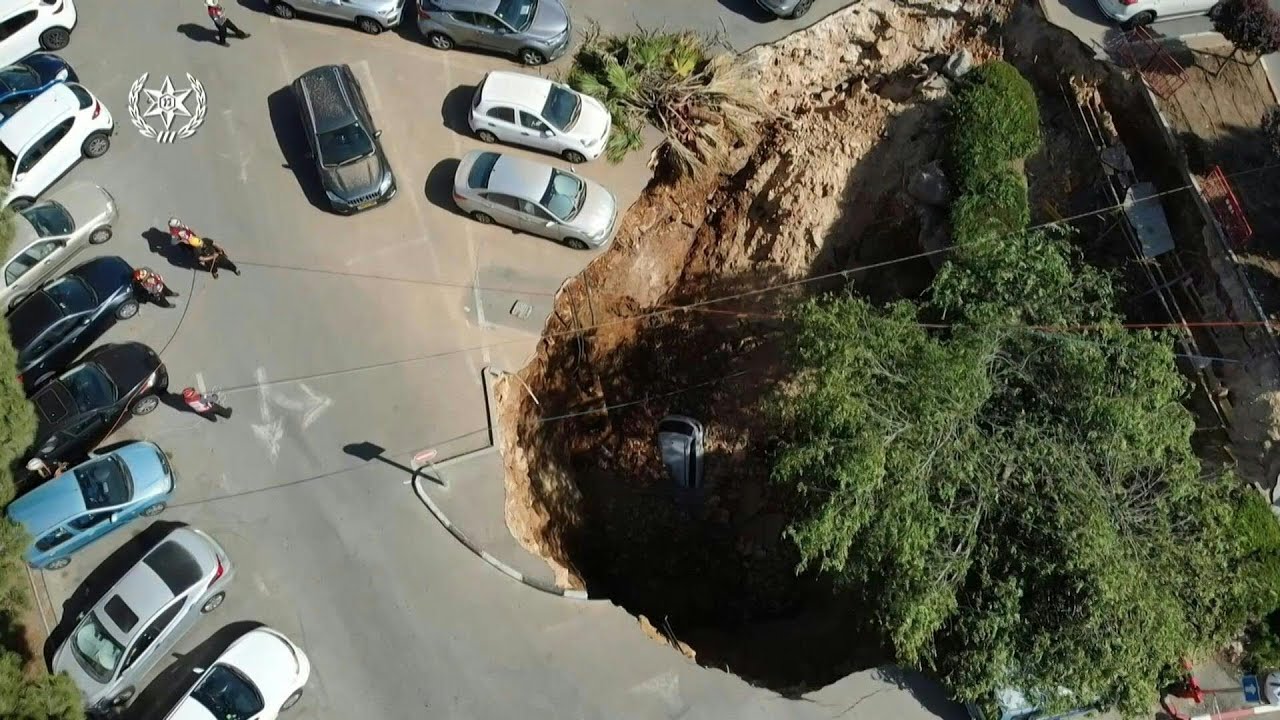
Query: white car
[(261, 675), (30, 25), (538, 113), (50, 134), (1135, 13), (50, 233)]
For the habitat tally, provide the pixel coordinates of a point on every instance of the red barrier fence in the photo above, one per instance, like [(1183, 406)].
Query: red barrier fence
[(1226, 207)]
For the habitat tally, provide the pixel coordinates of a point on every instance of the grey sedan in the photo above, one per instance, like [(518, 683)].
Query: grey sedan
[(536, 198), (534, 31), (50, 233)]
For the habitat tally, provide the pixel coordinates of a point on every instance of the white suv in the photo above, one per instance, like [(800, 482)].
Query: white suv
[(50, 134), (30, 25), (538, 113)]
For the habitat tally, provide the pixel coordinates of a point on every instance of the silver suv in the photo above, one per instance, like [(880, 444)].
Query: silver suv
[(135, 623), (534, 31), (371, 16)]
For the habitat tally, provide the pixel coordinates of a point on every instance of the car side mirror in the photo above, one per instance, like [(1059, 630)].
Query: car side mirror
[(115, 516), (198, 671), (550, 223), (547, 133), (377, 133), (18, 177)]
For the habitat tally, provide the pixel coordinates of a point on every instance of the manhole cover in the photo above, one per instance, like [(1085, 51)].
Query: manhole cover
[(522, 310)]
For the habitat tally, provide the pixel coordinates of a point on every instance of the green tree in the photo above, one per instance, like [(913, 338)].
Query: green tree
[(39, 698), (1249, 25), (995, 122)]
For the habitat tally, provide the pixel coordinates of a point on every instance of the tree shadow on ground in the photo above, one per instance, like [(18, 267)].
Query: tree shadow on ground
[(102, 578)]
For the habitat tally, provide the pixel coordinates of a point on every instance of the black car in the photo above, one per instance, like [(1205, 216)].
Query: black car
[(51, 326), (342, 139), (86, 403)]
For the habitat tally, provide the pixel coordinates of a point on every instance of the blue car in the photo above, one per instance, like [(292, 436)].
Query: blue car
[(91, 500), (22, 81)]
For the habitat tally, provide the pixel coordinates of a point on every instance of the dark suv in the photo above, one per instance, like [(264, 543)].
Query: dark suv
[(343, 140)]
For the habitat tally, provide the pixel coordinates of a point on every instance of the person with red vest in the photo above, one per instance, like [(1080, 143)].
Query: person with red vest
[(222, 22), (206, 406)]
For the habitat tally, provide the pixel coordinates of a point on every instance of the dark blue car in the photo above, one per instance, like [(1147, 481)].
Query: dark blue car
[(51, 326), (23, 80)]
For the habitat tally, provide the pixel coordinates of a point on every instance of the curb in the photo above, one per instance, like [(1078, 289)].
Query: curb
[(490, 409)]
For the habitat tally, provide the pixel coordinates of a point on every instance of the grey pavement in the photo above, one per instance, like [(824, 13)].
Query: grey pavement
[(347, 333)]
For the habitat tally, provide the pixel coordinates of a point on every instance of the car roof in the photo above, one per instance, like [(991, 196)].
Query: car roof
[(51, 106), (327, 97), (488, 6), (123, 361), (517, 176), (49, 504), (31, 317), (54, 404), (530, 91), (167, 570)]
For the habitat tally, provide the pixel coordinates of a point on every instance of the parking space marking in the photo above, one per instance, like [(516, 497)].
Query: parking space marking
[(200, 382), (242, 156), (284, 61), (365, 76)]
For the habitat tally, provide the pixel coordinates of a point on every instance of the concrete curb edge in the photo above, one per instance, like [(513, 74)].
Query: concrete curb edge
[(491, 413)]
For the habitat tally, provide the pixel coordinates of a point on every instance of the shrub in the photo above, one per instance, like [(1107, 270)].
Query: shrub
[(1250, 25), (702, 104), (996, 205), (994, 121)]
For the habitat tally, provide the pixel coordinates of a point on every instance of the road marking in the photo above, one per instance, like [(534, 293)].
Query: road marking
[(385, 250), (284, 61), (271, 430), (311, 408), (366, 79), (200, 383)]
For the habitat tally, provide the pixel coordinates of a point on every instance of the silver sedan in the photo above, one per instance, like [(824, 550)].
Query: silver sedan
[(50, 233), (536, 198)]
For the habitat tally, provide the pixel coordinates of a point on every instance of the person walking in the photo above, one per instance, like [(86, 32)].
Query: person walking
[(206, 406), (151, 286), (212, 255), (222, 22)]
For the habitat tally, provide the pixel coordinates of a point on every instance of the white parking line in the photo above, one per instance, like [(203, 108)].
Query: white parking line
[(284, 61), (363, 73), (200, 383)]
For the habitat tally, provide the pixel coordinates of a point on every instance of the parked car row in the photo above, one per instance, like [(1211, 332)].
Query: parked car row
[(47, 123)]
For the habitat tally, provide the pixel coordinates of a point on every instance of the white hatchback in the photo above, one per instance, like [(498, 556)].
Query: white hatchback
[(261, 675), (30, 25), (1135, 13), (50, 134), (538, 113)]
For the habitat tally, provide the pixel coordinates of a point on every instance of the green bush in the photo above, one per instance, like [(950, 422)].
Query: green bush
[(995, 205), (995, 121)]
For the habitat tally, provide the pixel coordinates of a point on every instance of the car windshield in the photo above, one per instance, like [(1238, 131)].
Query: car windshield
[(70, 294), (227, 695), (344, 145), (98, 652), (517, 13), (49, 218), (564, 195), (90, 387), (562, 107), (19, 77), (104, 483)]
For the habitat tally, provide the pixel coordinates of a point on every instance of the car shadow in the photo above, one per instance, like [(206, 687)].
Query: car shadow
[(170, 684), (287, 127), (439, 187), (456, 107), (106, 574), (749, 10), (198, 33), (159, 242)]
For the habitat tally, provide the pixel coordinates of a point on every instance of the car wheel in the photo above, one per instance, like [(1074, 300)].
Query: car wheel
[(801, 9), (21, 203), (486, 136), (212, 603), (55, 38), (127, 309), (154, 510), (100, 235), (574, 156), (575, 244), (96, 145), (146, 405), (481, 218), (292, 699), (123, 697), (369, 25), (283, 11), (1146, 17), (58, 564), (440, 41), (529, 56)]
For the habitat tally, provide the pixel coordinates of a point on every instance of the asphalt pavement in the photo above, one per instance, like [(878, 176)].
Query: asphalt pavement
[(347, 338)]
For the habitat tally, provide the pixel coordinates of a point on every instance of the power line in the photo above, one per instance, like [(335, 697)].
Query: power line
[(388, 278)]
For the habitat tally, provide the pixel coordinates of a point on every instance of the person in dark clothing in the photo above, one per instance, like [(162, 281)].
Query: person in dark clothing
[(206, 406), (222, 22), (212, 256)]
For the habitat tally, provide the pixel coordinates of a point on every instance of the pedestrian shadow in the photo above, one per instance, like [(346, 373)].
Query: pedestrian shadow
[(287, 126), (439, 187), (105, 575), (198, 33), (169, 686), (159, 242)]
